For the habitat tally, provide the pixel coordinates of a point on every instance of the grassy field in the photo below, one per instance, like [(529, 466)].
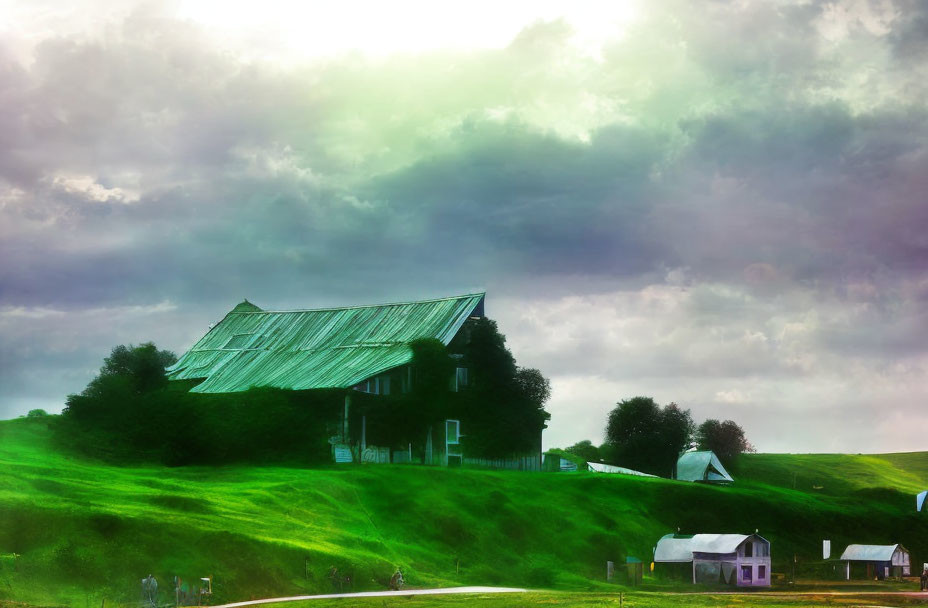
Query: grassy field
[(73, 531)]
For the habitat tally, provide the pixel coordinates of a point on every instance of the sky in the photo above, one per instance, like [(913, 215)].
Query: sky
[(717, 204)]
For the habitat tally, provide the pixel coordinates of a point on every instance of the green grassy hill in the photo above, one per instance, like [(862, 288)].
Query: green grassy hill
[(73, 531)]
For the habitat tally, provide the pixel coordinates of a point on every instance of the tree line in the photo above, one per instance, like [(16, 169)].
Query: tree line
[(646, 437)]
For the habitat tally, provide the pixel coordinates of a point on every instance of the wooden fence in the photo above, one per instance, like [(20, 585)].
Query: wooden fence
[(531, 462)]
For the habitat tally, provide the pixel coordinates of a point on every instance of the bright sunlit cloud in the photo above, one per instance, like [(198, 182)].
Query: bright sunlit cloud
[(311, 29)]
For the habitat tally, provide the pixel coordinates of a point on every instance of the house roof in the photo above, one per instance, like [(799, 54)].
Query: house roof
[(322, 348), (701, 466), (869, 553), (680, 548)]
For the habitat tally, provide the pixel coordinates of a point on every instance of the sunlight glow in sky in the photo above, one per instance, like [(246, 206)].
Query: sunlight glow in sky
[(309, 30)]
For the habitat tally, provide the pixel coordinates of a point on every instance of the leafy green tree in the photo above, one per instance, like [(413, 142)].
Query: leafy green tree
[(585, 450), (726, 439), (643, 436), (143, 364), (129, 372), (37, 413), (503, 406)]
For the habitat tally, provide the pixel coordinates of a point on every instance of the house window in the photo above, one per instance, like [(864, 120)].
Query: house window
[(749, 549), (745, 574), (406, 379), (761, 573), (453, 431), (460, 378)]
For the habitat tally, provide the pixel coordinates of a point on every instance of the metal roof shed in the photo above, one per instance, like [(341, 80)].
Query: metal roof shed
[(881, 561)]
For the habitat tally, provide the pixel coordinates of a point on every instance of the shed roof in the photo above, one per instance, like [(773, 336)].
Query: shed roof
[(869, 553), (920, 500), (680, 548), (701, 466), (598, 467), (322, 348)]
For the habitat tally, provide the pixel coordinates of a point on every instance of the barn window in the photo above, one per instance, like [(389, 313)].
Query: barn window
[(406, 379), (460, 379), (453, 430), (749, 549), (761, 573), (746, 574)]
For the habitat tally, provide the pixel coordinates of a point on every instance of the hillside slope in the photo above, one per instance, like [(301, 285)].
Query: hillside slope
[(82, 530)]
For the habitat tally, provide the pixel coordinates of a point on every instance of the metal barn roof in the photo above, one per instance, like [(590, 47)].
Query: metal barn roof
[(869, 553), (677, 548), (701, 466), (324, 348)]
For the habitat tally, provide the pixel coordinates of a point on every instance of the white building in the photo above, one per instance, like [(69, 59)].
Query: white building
[(733, 559)]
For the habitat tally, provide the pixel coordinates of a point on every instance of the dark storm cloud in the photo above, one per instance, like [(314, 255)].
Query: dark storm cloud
[(532, 200)]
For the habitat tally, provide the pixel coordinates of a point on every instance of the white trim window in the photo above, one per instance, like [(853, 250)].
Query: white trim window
[(460, 379)]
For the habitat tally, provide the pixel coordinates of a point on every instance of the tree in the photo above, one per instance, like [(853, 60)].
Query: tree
[(144, 364), (643, 436), (585, 450), (532, 385), (38, 413), (726, 439), (129, 372), (503, 406)]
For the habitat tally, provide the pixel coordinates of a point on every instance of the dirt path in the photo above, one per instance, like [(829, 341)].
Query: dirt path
[(330, 596)]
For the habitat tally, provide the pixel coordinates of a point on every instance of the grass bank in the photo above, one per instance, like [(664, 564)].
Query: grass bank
[(73, 531)]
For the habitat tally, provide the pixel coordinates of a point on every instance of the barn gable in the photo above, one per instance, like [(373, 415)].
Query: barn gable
[(323, 348), (701, 466)]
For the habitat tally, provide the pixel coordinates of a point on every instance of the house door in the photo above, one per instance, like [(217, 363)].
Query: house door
[(746, 572)]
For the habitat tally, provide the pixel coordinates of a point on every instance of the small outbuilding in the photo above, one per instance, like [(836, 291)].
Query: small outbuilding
[(555, 461), (876, 561), (702, 466), (920, 500), (742, 560)]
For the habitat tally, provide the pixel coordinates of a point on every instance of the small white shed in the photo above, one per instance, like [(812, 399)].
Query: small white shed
[(733, 559)]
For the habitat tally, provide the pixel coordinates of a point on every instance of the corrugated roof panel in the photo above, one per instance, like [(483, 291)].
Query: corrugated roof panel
[(599, 467), (326, 348), (869, 553)]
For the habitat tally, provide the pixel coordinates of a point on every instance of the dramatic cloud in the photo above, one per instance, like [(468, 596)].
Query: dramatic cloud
[(718, 204)]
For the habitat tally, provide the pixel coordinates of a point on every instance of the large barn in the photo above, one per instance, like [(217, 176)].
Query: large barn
[(742, 560), (359, 349)]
